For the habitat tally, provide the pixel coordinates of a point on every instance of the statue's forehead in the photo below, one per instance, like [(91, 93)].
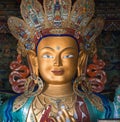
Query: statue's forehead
[(57, 47), (57, 42)]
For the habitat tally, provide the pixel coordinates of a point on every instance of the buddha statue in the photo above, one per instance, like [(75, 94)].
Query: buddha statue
[(55, 86)]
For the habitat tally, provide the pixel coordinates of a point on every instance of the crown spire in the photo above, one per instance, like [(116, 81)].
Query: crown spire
[(55, 17)]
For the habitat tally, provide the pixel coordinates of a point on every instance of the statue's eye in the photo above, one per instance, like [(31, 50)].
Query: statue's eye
[(68, 56), (47, 56)]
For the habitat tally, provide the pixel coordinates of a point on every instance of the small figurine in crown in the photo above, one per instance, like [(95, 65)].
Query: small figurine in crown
[(58, 41)]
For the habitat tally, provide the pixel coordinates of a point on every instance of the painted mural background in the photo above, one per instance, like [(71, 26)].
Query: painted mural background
[(109, 51), (108, 44)]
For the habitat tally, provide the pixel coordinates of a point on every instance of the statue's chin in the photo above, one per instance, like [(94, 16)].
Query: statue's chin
[(56, 80)]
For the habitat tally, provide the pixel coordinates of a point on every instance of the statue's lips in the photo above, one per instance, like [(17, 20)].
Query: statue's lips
[(57, 72)]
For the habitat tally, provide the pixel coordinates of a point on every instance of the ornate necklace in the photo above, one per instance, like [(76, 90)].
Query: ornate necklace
[(43, 101)]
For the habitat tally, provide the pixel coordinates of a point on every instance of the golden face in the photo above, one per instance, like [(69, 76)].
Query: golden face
[(57, 59)]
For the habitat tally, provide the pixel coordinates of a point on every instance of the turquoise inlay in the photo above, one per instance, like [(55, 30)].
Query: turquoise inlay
[(6, 114), (22, 113), (107, 105)]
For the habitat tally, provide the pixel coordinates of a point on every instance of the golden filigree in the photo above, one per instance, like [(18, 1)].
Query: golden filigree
[(42, 102)]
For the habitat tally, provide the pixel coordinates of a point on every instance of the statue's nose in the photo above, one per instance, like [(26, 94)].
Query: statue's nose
[(57, 61)]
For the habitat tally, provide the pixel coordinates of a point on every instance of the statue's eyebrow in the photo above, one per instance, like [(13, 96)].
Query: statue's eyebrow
[(47, 48), (67, 48)]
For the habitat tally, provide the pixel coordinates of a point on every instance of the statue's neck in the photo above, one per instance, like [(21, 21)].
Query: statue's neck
[(58, 90)]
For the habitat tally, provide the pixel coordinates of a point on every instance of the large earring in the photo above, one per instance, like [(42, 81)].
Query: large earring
[(33, 86), (82, 88), (81, 80)]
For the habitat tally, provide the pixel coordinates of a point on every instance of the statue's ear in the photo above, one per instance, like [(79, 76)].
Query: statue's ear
[(33, 62), (82, 62)]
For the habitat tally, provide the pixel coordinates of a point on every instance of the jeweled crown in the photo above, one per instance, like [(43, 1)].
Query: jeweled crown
[(55, 17)]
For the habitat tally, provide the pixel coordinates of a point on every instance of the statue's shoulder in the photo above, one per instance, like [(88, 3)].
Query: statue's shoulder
[(16, 103), (21, 101), (15, 106), (8, 103), (97, 104), (6, 109)]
